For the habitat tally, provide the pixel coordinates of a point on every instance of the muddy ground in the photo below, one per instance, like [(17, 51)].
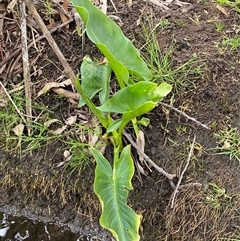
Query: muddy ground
[(33, 183)]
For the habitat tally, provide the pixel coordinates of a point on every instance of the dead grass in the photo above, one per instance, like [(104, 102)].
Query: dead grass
[(41, 183), (194, 219)]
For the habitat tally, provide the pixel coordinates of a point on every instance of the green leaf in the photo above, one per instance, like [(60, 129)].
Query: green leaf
[(129, 115), (114, 126), (144, 121), (133, 101), (133, 96), (112, 188), (109, 38), (94, 79), (101, 117)]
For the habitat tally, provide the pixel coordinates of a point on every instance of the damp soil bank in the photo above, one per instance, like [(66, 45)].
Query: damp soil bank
[(35, 184)]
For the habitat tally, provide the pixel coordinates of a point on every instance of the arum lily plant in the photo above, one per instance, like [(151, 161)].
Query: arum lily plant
[(133, 99)]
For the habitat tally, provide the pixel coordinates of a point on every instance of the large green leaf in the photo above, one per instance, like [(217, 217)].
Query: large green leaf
[(129, 115), (109, 38), (133, 96), (112, 187), (94, 79)]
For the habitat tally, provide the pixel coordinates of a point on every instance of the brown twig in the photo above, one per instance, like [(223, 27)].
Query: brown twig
[(68, 70), (184, 170), (185, 115), (147, 159), (26, 66), (17, 51), (66, 93)]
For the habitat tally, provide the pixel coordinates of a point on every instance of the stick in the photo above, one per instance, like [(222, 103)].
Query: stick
[(32, 43), (185, 115), (184, 170), (68, 70), (62, 9), (10, 98), (113, 5), (147, 158), (26, 67)]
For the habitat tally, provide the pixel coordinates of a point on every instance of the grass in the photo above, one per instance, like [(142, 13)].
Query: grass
[(219, 26), (76, 138), (233, 43), (228, 141), (161, 60), (216, 196), (45, 177), (49, 11), (228, 44), (79, 139), (80, 156), (230, 3), (21, 141)]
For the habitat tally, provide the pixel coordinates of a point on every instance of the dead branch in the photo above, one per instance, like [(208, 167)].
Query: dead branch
[(147, 159), (68, 70), (26, 66), (184, 170), (17, 51), (66, 93), (11, 5), (185, 115)]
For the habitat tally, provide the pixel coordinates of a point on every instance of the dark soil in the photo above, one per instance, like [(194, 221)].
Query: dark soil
[(34, 183)]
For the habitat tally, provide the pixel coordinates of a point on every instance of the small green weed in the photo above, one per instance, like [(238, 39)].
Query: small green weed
[(81, 156), (230, 3), (164, 23), (80, 139), (180, 23), (229, 143), (219, 26), (216, 197), (233, 43), (49, 11)]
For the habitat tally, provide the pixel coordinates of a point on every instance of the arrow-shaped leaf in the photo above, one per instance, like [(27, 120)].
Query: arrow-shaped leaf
[(133, 96), (112, 187), (109, 38)]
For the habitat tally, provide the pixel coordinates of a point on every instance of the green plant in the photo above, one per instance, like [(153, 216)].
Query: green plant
[(233, 43), (164, 23), (113, 182), (219, 26), (230, 3), (49, 11), (229, 143), (216, 197), (180, 23), (79, 139), (80, 158)]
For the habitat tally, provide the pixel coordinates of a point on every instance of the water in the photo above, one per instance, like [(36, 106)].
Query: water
[(13, 228)]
